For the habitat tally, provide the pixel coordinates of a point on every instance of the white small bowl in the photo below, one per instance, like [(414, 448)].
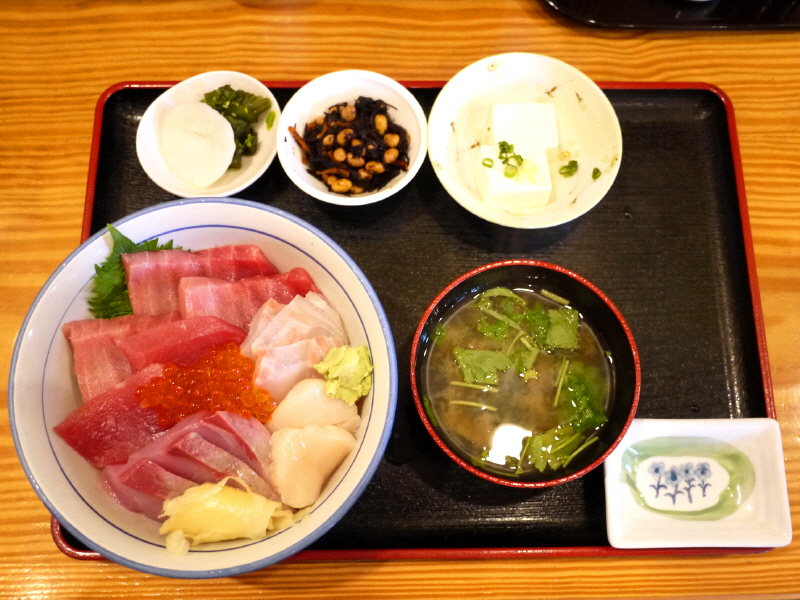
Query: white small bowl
[(689, 483), (315, 97), (42, 390), (588, 129), (192, 90)]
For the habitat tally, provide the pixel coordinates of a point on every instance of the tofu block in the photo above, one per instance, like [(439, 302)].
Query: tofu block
[(526, 125), (529, 188), (531, 129)]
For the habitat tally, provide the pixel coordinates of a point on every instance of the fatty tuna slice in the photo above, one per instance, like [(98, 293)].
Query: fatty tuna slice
[(153, 277), (182, 342), (113, 425), (237, 302), (116, 327), (144, 486), (98, 363)]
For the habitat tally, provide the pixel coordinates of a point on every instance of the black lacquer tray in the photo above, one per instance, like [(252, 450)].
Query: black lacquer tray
[(670, 245), (683, 14)]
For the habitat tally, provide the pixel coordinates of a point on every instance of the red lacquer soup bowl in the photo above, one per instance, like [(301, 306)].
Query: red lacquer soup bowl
[(504, 388)]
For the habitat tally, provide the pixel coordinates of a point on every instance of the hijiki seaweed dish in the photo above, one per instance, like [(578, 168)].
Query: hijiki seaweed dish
[(354, 148)]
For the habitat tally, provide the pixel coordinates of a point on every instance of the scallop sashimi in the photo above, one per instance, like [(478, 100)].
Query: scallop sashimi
[(304, 459), (307, 403)]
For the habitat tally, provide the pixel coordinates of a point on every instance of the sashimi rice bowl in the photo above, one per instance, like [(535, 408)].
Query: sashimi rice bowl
[(203, 389)]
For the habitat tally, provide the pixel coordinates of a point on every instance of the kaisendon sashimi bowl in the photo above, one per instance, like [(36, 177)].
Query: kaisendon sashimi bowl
[(43, 390)]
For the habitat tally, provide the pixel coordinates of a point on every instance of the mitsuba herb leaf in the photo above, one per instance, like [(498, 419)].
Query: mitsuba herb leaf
[(582, 398), (504, 292), (109, 294), (493, 329), (563, 331), (523, 359), (539, 324), (481, 366), (438, 335), (241, 109)]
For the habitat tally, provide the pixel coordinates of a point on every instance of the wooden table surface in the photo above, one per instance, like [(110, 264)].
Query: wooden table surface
[(58, 56)]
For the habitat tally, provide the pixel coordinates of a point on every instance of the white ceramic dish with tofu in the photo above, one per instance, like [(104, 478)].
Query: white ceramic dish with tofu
[(150, 149), (560, 123), (688, 483), (42, 390)]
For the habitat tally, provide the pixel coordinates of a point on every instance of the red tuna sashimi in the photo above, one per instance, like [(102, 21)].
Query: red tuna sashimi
[(153, 277), (98, 362), (237, 302), (144, 486), (181, 342), (113, 425)]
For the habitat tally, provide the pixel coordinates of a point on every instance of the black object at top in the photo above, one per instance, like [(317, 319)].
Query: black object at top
[(682, 14)]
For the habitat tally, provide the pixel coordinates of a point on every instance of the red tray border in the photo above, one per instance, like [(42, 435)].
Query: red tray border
[(479, 553)]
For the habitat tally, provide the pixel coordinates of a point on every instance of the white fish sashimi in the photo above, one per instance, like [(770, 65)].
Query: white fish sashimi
[(304, 459), (281, 367), (261, 319), (196, 143), (304, 317), (307, 403)]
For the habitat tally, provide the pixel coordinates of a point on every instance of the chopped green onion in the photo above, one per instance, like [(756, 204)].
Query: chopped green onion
[(596, 173), (473, 404), (569, 169), (270, 119), (488, 163), (510, 171)]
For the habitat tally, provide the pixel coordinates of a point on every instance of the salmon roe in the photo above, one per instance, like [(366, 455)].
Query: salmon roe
[(221, 380)]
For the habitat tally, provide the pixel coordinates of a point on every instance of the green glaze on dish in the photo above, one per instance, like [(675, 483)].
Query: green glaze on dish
[(742, 476)]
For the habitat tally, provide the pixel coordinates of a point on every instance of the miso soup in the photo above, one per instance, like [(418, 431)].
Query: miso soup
[(517, 382)]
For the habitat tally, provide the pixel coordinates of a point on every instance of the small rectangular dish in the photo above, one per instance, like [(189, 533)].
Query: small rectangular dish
[(676, 483)]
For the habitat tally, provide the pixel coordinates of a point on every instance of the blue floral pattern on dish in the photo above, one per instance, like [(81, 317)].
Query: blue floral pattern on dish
[(681, 479), (688, 477)]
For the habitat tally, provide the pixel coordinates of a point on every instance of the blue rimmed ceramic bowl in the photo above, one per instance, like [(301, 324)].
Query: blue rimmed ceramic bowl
[(42, 391)]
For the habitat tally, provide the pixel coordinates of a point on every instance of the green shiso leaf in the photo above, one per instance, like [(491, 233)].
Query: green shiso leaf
[(109, 294)]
